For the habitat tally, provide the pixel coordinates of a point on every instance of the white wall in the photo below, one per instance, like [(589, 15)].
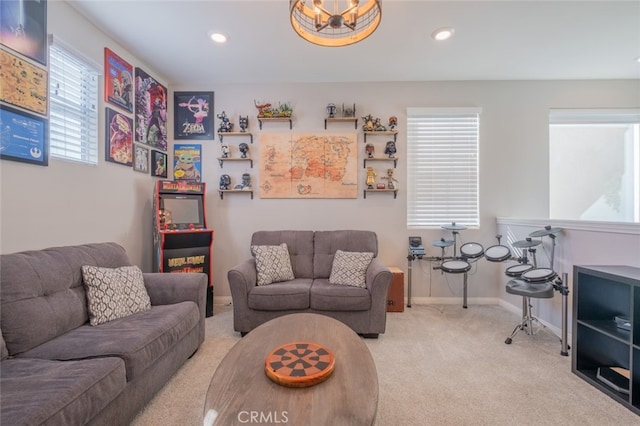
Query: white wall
[(68, 204)]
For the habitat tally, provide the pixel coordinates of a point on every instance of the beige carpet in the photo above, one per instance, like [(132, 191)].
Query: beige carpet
[(437, 365)]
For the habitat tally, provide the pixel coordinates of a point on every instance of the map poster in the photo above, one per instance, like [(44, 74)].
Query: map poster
[(295, 165), (187, 164), (23, 84), (151, 111)]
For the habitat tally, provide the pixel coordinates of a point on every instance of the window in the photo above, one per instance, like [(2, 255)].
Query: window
[(442, 166), (594, 165), (73, 115)]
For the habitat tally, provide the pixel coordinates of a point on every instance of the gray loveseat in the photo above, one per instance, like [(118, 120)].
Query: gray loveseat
[(56, 369), (312, 254)]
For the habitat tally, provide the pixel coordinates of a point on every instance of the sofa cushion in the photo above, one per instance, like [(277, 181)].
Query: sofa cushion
[(114, 293), (334, 297), (289, 295), (273, 264), (38, 391), (299, 243), (42, 291), (326, 243), (139, 339), (350, 268)]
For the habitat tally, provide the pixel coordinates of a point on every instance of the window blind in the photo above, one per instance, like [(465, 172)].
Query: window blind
[(442, 167), (73, 113)]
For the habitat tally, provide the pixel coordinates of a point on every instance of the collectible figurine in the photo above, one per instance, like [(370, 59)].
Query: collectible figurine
[(368, 123), (244, 148), (377, 126), (390, 178), (225, 124), (331, 110), (243, 123), (225, 181), (393, 122), (349, 112), (246, 181), (225, 151), (369, 149), (371, 177), (390, 149), (264, 110)]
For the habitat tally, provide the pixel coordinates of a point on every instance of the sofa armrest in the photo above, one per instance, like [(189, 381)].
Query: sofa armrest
[(242, 278), (166, 289), (378, 279)]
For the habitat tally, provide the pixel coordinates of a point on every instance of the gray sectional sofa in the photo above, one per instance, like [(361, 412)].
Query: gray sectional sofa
[(312, 254), (57, 369)]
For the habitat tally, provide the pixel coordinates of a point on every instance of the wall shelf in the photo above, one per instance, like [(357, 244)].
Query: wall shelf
[(395, 191), (394, 159), (393, 133), (234, 191), (341, 120), (221, 160), (275, 119), (601, 293), (223, 134)]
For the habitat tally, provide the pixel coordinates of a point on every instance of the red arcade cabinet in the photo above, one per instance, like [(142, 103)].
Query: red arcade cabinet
[(182, 242)]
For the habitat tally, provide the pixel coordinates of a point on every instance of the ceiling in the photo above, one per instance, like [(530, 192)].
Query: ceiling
[(493, 40)]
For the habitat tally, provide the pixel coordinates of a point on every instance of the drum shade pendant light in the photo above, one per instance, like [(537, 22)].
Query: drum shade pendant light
[(335, 23)]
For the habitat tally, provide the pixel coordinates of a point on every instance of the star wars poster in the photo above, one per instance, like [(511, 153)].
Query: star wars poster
[(119, 140), (151, 111), (118, 81), (187, 164), (23, 27)]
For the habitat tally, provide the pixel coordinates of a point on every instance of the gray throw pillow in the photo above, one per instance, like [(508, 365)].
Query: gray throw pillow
[(114, 293), (350, 268), (273, 264)]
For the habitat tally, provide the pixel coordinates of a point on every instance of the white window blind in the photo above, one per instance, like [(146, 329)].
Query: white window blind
[(442, 166), (73, 114)]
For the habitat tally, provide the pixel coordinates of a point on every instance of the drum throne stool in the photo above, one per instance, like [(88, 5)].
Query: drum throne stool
[(527, 290)]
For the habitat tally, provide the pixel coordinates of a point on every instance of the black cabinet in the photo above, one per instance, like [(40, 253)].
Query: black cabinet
[(600, 295)]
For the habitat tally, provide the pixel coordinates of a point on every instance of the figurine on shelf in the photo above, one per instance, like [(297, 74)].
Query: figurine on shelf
[(369, 149), (285, 110), (225, 181), (371, 177), (390, 149), (246, 181), (393, 122), (380, 186), (243, 123), (264, 109), (367, 126), (244, 148), (349, 112), (225, 124), (378, 127), (331, 110), (390, 178), (225, 151)]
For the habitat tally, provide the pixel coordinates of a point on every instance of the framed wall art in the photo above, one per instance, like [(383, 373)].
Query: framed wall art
[(141, 159), (187, 164), (158, 164), (23, 28), (193, 115), (151, 111), (23, 84), (24, 136), (118, 81), (119, 138)]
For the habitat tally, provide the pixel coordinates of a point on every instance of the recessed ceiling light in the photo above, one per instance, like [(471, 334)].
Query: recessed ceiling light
[(219, 38), (443, 33)]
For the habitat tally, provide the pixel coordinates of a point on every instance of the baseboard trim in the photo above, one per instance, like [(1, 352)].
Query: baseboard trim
[(453, 301)]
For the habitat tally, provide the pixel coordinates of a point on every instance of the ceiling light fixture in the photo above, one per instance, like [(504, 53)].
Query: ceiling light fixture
[(349, 21), (219, 38), (443, 33)]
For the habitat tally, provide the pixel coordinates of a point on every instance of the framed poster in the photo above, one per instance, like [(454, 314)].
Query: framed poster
[(193, 115), (24, 137), (187, 164), (158, 164), (141, 159), (23, 84), (119, 137), (118, 81), (151, 111), (23, 27)]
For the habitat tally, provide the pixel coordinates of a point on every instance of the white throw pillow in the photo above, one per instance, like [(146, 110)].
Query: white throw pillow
[(350, 268), (273, 263), (114, 293)]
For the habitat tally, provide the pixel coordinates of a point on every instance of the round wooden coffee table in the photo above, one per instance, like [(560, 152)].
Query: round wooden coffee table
[(240, 390)]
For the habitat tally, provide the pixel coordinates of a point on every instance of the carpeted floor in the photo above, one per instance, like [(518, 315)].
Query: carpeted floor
[(437, 365)]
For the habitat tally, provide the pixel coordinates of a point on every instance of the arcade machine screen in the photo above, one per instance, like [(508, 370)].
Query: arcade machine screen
[(182, 210)]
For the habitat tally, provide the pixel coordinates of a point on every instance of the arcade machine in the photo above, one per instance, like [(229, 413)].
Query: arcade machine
[(182, 242)]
